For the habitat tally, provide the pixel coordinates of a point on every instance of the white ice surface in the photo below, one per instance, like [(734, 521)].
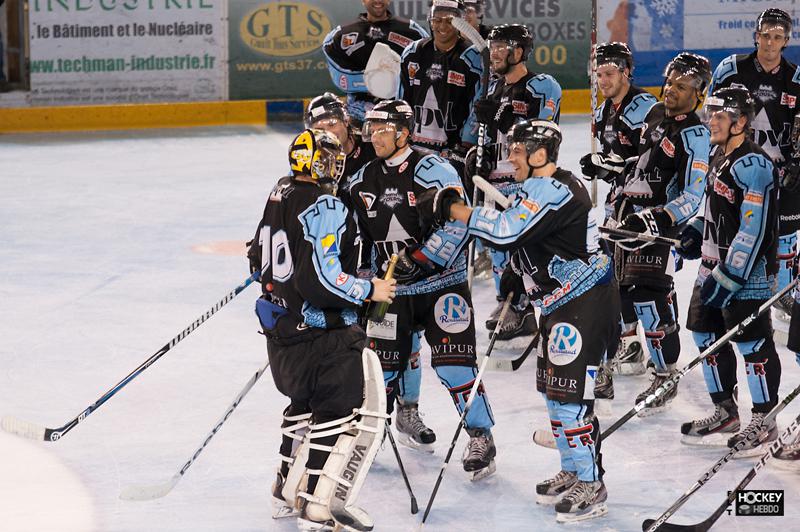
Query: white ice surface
[(97, 272)]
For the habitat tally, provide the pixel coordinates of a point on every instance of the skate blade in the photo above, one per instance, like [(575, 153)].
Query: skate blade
[(304, 525), (652, 411), (602, 407), (550, 500), (596, 510), (281, 510), (544, 438), (411, 443), (712, 440), (630, 369), (480, 474)]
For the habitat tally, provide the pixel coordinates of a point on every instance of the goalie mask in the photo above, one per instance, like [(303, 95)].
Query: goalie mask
[(319, 155)]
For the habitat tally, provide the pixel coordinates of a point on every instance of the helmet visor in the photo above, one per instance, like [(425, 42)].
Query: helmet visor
[(714, 105), (375, 127)]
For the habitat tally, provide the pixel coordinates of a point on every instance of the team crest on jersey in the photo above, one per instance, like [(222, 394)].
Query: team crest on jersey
[(565, 344), (765, 93), (329, 246), (413, 68), (520, 107), (412, 199), (398, 39), (788, 99), (452, 313), (435, 72), (375, 33), (350, 44), (667, 147), (391, 198), (456, 78)]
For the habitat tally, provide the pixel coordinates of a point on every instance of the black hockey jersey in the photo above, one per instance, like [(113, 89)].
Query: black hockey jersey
[(305, 246), (441, 88), (384, 197), (776, 97), (347, 50), (741, 219), (550, 226), (618, 127), (672, 166)]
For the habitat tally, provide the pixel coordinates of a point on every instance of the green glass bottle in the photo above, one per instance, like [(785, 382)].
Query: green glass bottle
[(376, 311)]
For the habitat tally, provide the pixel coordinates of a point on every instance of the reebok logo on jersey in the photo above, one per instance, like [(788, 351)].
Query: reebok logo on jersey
[(667, 147), (456, 78), (329, 246), (788, 99), (398, 39)]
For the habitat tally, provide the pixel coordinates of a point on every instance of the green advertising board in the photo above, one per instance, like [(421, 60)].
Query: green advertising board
[(275, 46)]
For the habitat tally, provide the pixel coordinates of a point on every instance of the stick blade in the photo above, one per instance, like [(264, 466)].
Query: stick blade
[(142, 492), (672, 527), (23, 429)]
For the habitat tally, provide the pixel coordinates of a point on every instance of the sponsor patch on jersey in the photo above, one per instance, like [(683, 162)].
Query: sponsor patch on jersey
[(343, 82), (400, 40), (452, 313), (412, 199), (329, 246), (368, 199), (349, 42), (412, 68), (402, 167), (700, 165), (724, 190), (788, 99), (435, 72), (754, 197), (667, 147), (564, 345), (550, 104), (588, 384), (456, 78), (531, 206), (341, 279), (520, 107), (385, 330), (391, 198)]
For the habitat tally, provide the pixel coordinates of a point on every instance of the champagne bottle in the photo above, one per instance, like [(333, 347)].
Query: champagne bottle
[(377, 310)]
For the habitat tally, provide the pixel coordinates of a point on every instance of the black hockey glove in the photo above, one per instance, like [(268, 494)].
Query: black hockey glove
[(651, 222), (790, 180), (485, 110), (488, 162), (606, 167), (511, 281), (412, 266), (691, 237), (434, 205)]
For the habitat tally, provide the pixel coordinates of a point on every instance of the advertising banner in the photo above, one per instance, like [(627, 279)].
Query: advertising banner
[(275, 46), (125, 51)]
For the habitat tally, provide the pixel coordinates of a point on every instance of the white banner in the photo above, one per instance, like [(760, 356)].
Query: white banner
[(126, 51)]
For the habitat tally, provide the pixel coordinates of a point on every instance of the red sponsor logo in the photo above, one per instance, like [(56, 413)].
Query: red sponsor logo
[(668, 147), (412, 199), (341, 279), (788, 99), (550, 104), (724, 190), (398, 39), (343, 82), (520, 107), (402, 167), (623, 139), (456, 78)]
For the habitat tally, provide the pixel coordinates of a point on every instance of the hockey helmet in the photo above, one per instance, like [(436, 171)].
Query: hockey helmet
[(769, 18), (325, 106), (478, 6), (692, 65), (735, 100), (515, 36), (318, 154), (614, 53), (445, 8), (388, 112), (537, 134)]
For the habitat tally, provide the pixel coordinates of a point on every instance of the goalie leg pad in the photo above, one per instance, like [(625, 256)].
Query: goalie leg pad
[(293, 453)]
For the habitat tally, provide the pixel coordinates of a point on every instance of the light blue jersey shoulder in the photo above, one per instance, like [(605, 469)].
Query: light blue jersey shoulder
[(697, 145), (724, 70), (634, 113), (545, 87), (347, 80), (434, 171)]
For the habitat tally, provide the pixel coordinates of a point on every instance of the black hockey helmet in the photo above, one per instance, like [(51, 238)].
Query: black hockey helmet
[(735, 100), (774, 17), (325, 106), (515, 35), (479, 6), (537, 134), (693, 65), (615, 53), (318, 154), (396, 112), (445, 8)]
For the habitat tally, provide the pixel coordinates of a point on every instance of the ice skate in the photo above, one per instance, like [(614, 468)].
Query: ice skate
[(552, 490), (411, 430), (788, 458), (281, 508), (783, 307), (518, 323), (491, 323), (483, 266), (478, 459), (758, 442), (629, 359), (663, 400), (584, 500), (715, 429), (603, 391)]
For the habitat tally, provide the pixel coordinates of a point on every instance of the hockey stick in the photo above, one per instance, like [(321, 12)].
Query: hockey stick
[(33, 431), (491, 192), (651, 525), (414, 507), (155, 491), (710, 520), (639, 236), (472, 394), (504, 364), (713, 348), (593, 81)]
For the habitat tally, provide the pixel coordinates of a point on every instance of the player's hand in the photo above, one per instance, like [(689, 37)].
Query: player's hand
[(383, 291), (410, 268), (719, 287), (606, 167), (691, 240), (434, 205), (651, 222), (790, 180), (488, 162), (485, 110)]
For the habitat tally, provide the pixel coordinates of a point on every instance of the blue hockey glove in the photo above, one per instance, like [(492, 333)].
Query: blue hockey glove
[(691, 237), (719, 287)]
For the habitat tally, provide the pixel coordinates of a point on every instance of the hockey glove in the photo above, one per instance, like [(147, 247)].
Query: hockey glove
[(691, 237), (652, 222), (488, 162), (511, 281), (485, 110), (790, 180), (719, 287), (609, 167), (434, 205), (412, 266)]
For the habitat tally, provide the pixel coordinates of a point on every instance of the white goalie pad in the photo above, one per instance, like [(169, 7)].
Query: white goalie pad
[(382, 73)]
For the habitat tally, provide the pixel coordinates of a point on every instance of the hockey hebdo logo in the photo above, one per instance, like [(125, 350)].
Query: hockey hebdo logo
[(452, 313), (565, 344), (759, 503)]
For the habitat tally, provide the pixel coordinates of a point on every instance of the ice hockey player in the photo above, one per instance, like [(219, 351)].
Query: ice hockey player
[(440, 78), (774, 82), (661, 193), (348, 48), (549, 231), (474, 11), (737, 239), (430, 297), (304, 244), (514, 94), (327, 112), (617, 126)]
